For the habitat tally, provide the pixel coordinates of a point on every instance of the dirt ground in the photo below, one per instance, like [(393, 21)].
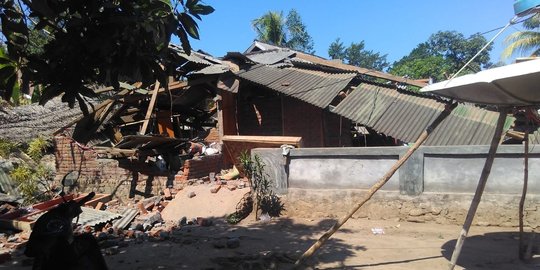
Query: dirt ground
[(402, 246), (276, 243)]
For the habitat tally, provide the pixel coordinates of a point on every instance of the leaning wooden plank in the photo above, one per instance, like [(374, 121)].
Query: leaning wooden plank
[(480, 188), (522, 248), (150, 109), (448, 109)]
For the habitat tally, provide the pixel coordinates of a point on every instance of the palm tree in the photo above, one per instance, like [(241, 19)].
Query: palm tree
[(525, 41), (270, 28)]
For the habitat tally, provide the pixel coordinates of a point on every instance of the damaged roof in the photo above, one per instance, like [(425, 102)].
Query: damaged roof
[(388, 109), (404, 115), (316, 88), (23, 123)]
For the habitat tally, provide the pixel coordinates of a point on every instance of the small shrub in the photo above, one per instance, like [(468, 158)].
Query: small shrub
[(234, 218), (263, 196), (37, 147), (7, 147), (272, 205), (28, 182)]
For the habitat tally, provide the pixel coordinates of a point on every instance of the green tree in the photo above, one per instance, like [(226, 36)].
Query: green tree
[(442, 55), (290, 32), (299, 38), (95, 42), (357, 55), (337, 50), (525, 42), (270, 28)]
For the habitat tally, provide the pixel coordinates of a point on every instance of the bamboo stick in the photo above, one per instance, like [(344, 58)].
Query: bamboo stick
[(448, 109), (480, 188), (522, 249)]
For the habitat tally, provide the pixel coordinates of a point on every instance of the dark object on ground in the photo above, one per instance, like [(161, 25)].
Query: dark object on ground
[(54, 246)]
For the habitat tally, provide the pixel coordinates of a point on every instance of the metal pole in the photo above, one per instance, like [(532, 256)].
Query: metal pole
[(480, 188), (448, 109)]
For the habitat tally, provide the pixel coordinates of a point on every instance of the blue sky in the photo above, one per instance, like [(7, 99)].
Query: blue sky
[(392, 27)]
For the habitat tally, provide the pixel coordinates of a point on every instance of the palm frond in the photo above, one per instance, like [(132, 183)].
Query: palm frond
[(521, 43)]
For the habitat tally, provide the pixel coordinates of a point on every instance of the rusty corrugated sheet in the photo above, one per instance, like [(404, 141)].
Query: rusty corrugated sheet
[(316, 88), (405, 116)]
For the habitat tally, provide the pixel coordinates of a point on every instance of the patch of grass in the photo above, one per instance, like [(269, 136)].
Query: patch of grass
[(7, 147)]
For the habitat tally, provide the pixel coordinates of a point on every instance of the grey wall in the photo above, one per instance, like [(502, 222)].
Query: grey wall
[(454, 169)]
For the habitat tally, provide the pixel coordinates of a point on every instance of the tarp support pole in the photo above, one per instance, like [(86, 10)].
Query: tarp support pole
[(480, 188), (523, 194), (425, 134)]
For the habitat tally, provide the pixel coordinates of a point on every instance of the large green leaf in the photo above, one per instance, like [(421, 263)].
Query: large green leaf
[(189, 25), (201, 9), (6, 71), (181, 33), (10, 86), (191, 3)]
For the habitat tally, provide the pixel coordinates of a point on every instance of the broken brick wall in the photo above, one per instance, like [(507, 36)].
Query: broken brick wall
[(202, 166), (103, 175)]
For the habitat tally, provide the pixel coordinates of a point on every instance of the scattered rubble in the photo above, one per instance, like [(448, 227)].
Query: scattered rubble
[(140, 220)]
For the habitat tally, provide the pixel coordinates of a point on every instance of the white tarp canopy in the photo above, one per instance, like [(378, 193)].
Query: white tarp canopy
[(510, 85)]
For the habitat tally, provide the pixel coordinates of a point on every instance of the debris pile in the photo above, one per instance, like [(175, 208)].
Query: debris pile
[(117, 224)]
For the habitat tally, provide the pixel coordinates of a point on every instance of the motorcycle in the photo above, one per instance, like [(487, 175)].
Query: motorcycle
[(53, 244)]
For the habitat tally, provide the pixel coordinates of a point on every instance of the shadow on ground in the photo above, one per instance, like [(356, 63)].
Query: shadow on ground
[(272, 245), (490, 251)]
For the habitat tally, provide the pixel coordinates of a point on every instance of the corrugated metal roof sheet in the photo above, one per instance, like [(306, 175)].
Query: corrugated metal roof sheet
[(92, 217), (213, 69), (194, 57), (269, 57), (88, 217), (7, 186), (405, 116), (316, 88), (127, 216)]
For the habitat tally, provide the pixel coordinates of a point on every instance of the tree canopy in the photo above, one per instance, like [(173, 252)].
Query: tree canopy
[(290, 31), (91, 42), (525, 42), (442, 55), (270, 28), (357, 55)]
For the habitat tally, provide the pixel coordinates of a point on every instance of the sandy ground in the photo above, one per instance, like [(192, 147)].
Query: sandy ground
[(272, 244), (402, 246), (204, 204)]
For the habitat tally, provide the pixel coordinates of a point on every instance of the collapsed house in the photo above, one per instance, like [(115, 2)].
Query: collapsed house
[(138, 141), (281, 92)]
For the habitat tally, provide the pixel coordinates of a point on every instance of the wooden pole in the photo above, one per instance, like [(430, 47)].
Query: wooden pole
[(480, 188), (150, 109), (523, 195), (448, 109)]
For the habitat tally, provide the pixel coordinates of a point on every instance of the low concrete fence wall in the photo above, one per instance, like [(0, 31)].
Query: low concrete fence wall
[(439, 180), (454, 169)]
